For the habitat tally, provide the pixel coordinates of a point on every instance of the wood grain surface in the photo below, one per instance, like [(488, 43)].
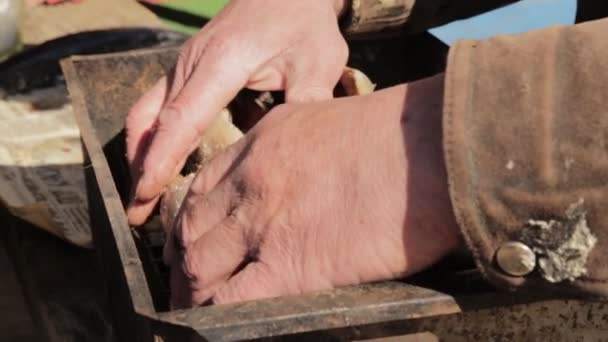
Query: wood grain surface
[(43, 23)]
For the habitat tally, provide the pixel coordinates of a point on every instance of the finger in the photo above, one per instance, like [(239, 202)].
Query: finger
[(210, 197), (139, 122), (199, 214), (214, 257), (182, 296), (256, 281), (315, 79), (214, 82), (138, 211)]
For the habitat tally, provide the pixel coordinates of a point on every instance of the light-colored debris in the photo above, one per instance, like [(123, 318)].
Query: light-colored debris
[(562, 247), (221, 134), (356, 83)]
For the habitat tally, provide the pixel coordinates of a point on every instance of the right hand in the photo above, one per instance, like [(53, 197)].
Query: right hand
[(317, 196), (294, 46)]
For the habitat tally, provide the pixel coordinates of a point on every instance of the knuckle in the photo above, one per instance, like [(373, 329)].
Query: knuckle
[(231, 55), (251, 181), (177, 116), (221, 44), (174, 111), (259, 173), (239, 227), (188, 53), (163, 167)]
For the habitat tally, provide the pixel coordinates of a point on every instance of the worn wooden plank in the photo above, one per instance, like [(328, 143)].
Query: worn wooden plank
[(44, 23)]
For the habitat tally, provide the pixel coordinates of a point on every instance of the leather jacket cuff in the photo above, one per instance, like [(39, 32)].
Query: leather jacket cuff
[(525, 139)]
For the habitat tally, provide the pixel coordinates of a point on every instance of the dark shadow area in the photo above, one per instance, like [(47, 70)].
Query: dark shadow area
[(181, 17), (170, 332), (38, 66), (63, 287), (591, 10), (428, 14), (399, 59)]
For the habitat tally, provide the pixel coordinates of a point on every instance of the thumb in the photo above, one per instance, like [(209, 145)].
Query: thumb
[(255, 281)]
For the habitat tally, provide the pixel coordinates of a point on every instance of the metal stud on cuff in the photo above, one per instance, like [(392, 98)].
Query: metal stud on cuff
[(516, 259)]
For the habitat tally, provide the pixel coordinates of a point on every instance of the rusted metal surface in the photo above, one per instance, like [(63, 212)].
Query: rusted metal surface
[(102, 89), (557, 320), (340, 308)]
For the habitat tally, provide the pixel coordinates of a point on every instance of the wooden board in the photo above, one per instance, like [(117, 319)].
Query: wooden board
[(43, 23)]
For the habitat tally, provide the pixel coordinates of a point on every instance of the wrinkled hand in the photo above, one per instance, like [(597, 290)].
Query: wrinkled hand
[(294, 46), (316, 196)]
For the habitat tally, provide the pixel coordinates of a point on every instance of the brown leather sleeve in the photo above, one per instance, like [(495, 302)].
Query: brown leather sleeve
[(526, 145), (369, 18)]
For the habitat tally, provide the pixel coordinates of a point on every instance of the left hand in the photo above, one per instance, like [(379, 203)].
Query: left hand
[(319, 195)]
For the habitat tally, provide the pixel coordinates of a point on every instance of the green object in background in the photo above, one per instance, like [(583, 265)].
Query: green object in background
[(201, 8)]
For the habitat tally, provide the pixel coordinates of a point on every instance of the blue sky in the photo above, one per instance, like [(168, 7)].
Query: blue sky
[(516, 18)]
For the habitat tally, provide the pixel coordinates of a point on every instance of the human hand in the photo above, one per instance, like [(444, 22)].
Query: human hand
[(316, 196), (294, 46)]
